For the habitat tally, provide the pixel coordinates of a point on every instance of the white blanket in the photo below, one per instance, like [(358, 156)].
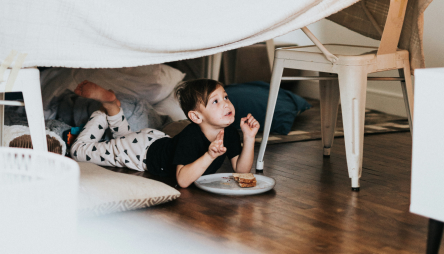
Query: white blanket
[(115, 33)]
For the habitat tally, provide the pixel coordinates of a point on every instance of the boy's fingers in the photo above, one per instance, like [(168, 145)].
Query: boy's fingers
[(247, 119), (221, 137), (218, 145)]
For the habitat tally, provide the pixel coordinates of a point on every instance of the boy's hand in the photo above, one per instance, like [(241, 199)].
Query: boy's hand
[(249, 126), (217, 148)]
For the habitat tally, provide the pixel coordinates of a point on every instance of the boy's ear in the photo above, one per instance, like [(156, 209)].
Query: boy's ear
[(195, 117)]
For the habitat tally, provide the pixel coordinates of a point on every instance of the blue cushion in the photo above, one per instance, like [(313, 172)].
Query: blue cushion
[(252, 97)]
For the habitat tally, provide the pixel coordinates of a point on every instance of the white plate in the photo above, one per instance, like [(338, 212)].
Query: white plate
[(225, 184)]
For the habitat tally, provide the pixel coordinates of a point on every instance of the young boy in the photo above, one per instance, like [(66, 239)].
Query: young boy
[(198, 150)]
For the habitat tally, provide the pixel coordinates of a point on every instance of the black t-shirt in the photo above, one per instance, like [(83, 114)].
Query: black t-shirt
[(189, 145)]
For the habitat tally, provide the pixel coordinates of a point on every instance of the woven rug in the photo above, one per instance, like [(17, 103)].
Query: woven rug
[(307, 126)]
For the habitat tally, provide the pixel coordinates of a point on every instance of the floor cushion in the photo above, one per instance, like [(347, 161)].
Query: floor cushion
[(102, 191), (252, 97)]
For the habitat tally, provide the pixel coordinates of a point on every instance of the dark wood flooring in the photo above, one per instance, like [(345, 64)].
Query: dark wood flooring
[(312, 208)]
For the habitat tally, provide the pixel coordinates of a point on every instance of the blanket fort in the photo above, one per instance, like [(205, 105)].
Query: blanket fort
[(114, 33)]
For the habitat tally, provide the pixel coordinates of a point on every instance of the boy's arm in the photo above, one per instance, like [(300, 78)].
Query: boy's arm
[(189, 173), (243, 162)]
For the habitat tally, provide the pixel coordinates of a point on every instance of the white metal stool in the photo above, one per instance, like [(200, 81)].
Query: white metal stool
[(344, 69), (27, 81)]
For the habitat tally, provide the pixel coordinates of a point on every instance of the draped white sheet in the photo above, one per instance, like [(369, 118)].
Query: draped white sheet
[(115, 33)]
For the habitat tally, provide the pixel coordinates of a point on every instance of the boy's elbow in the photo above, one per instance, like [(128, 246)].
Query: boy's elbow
[(242, 169), (181, 180), (183, 184)]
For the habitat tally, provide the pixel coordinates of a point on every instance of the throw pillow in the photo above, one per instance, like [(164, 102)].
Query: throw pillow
[(102, 191), (252, 97), (170, 107)]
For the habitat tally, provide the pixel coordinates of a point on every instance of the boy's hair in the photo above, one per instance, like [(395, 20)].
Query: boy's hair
[(194, 92)]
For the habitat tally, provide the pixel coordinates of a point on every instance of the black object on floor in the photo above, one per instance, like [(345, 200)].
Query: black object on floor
[(434, 236)]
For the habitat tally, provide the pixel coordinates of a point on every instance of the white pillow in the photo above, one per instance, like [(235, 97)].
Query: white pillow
[(102, 191), (151, 82), (171, 107)]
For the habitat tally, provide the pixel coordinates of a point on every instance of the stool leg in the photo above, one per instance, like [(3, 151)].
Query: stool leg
[(329, 100), (32, 96), (270, 52), (353, 85), (434, 236), (276, 77)]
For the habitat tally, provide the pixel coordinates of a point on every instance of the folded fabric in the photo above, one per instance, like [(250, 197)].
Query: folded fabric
[(152, 83), (75, 110), (252, 97), (16, 115)]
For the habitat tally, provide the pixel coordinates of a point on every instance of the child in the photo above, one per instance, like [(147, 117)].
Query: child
[(198, 150)]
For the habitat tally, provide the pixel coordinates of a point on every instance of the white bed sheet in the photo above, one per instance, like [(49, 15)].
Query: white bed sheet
[(114, 33)]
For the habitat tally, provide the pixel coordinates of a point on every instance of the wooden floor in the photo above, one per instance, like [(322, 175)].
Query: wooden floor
[(312, 208)]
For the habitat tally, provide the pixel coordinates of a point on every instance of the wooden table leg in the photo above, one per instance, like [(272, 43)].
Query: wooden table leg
[(434, 236)]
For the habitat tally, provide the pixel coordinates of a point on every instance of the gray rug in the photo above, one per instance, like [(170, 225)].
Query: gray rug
[(307, 126)]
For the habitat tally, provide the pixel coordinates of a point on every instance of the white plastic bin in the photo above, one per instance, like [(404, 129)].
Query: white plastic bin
[(38, 202), (427, 189)]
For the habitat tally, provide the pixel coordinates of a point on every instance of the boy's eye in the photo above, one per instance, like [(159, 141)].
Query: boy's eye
[(215, 101), (226, 97)]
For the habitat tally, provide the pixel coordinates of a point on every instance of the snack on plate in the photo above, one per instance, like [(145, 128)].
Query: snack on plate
[(236, 176), (245, 179)]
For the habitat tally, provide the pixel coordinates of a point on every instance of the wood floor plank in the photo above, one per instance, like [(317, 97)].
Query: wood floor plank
[(312, 208)]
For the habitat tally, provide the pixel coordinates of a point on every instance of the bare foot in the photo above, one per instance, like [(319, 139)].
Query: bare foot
[(93, 91)]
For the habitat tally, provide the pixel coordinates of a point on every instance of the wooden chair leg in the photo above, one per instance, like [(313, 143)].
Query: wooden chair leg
[(434, 236), (407, 91), (353, 86), (213, 66), (276, 77), (329, 103), (270, 52)]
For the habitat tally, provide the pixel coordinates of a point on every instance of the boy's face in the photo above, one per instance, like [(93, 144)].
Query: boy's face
[(219, 111)]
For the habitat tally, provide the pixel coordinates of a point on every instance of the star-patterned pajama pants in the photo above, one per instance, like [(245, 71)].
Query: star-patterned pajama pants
[(126, 149)]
